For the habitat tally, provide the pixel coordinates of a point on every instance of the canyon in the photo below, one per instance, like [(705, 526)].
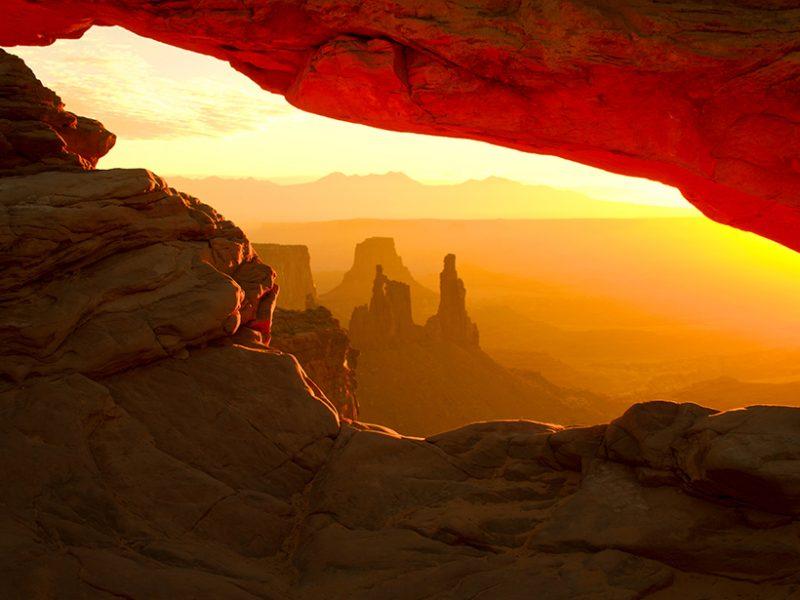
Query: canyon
[(154, 447), (421, 380)]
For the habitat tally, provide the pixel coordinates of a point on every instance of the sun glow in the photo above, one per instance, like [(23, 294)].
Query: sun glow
[(182, 113)]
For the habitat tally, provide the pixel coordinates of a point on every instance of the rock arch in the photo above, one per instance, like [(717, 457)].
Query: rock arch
[(703, 96)]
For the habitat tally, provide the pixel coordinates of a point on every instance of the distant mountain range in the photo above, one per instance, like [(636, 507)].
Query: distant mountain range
[(249, 202)]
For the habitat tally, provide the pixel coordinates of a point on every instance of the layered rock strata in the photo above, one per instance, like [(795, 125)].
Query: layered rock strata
[(104, 270), (36, 132), (387, 318), (292, 262)]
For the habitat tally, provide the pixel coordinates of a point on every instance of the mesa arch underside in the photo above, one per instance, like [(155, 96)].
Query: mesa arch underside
[(704, 96)]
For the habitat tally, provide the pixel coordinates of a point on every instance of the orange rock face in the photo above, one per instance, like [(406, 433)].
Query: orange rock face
[(315, 338), (701, 97)]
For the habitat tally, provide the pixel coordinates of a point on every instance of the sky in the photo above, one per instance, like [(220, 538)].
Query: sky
[(180, 113)]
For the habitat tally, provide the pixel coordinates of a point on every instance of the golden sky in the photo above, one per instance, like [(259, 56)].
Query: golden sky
[(179, 113)]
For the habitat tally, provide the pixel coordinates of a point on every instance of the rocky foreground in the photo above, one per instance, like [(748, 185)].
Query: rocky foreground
[(152, 447)]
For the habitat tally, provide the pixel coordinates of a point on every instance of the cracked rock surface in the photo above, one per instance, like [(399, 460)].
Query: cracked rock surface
[(151, 447)]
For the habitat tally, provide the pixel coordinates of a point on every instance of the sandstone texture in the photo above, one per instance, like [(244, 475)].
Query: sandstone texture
[(387, 318), (315, 338), (103, 270), (36, 132), (292, 262), (700, 95)]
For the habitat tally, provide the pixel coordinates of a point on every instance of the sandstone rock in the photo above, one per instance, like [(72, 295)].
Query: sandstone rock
[(103, 270), (387, 319), (151, 448), (696, 95), (36, 133), (647, 434), (746, 456), (293, 265), (451, 322), (357, 284), (163, 481), (323, 348), (221, 472)]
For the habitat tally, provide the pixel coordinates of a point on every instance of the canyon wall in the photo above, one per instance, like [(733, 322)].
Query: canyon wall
[(309, 332), (293, 265)]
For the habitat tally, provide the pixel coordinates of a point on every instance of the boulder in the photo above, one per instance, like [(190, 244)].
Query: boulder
[(36, 132), (103, 270)]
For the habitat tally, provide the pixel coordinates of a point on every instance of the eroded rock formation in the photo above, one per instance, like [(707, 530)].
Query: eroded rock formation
[(104, 270), (451, 322), (36, 133), (168, 454), (423, 380), (699, 95), (308, 331), (387, 318), (323, 348), (293, 264), (134, 406), (357, 284)]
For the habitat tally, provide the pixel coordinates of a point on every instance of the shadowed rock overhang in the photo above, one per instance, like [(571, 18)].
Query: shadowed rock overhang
[(704, 96)]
